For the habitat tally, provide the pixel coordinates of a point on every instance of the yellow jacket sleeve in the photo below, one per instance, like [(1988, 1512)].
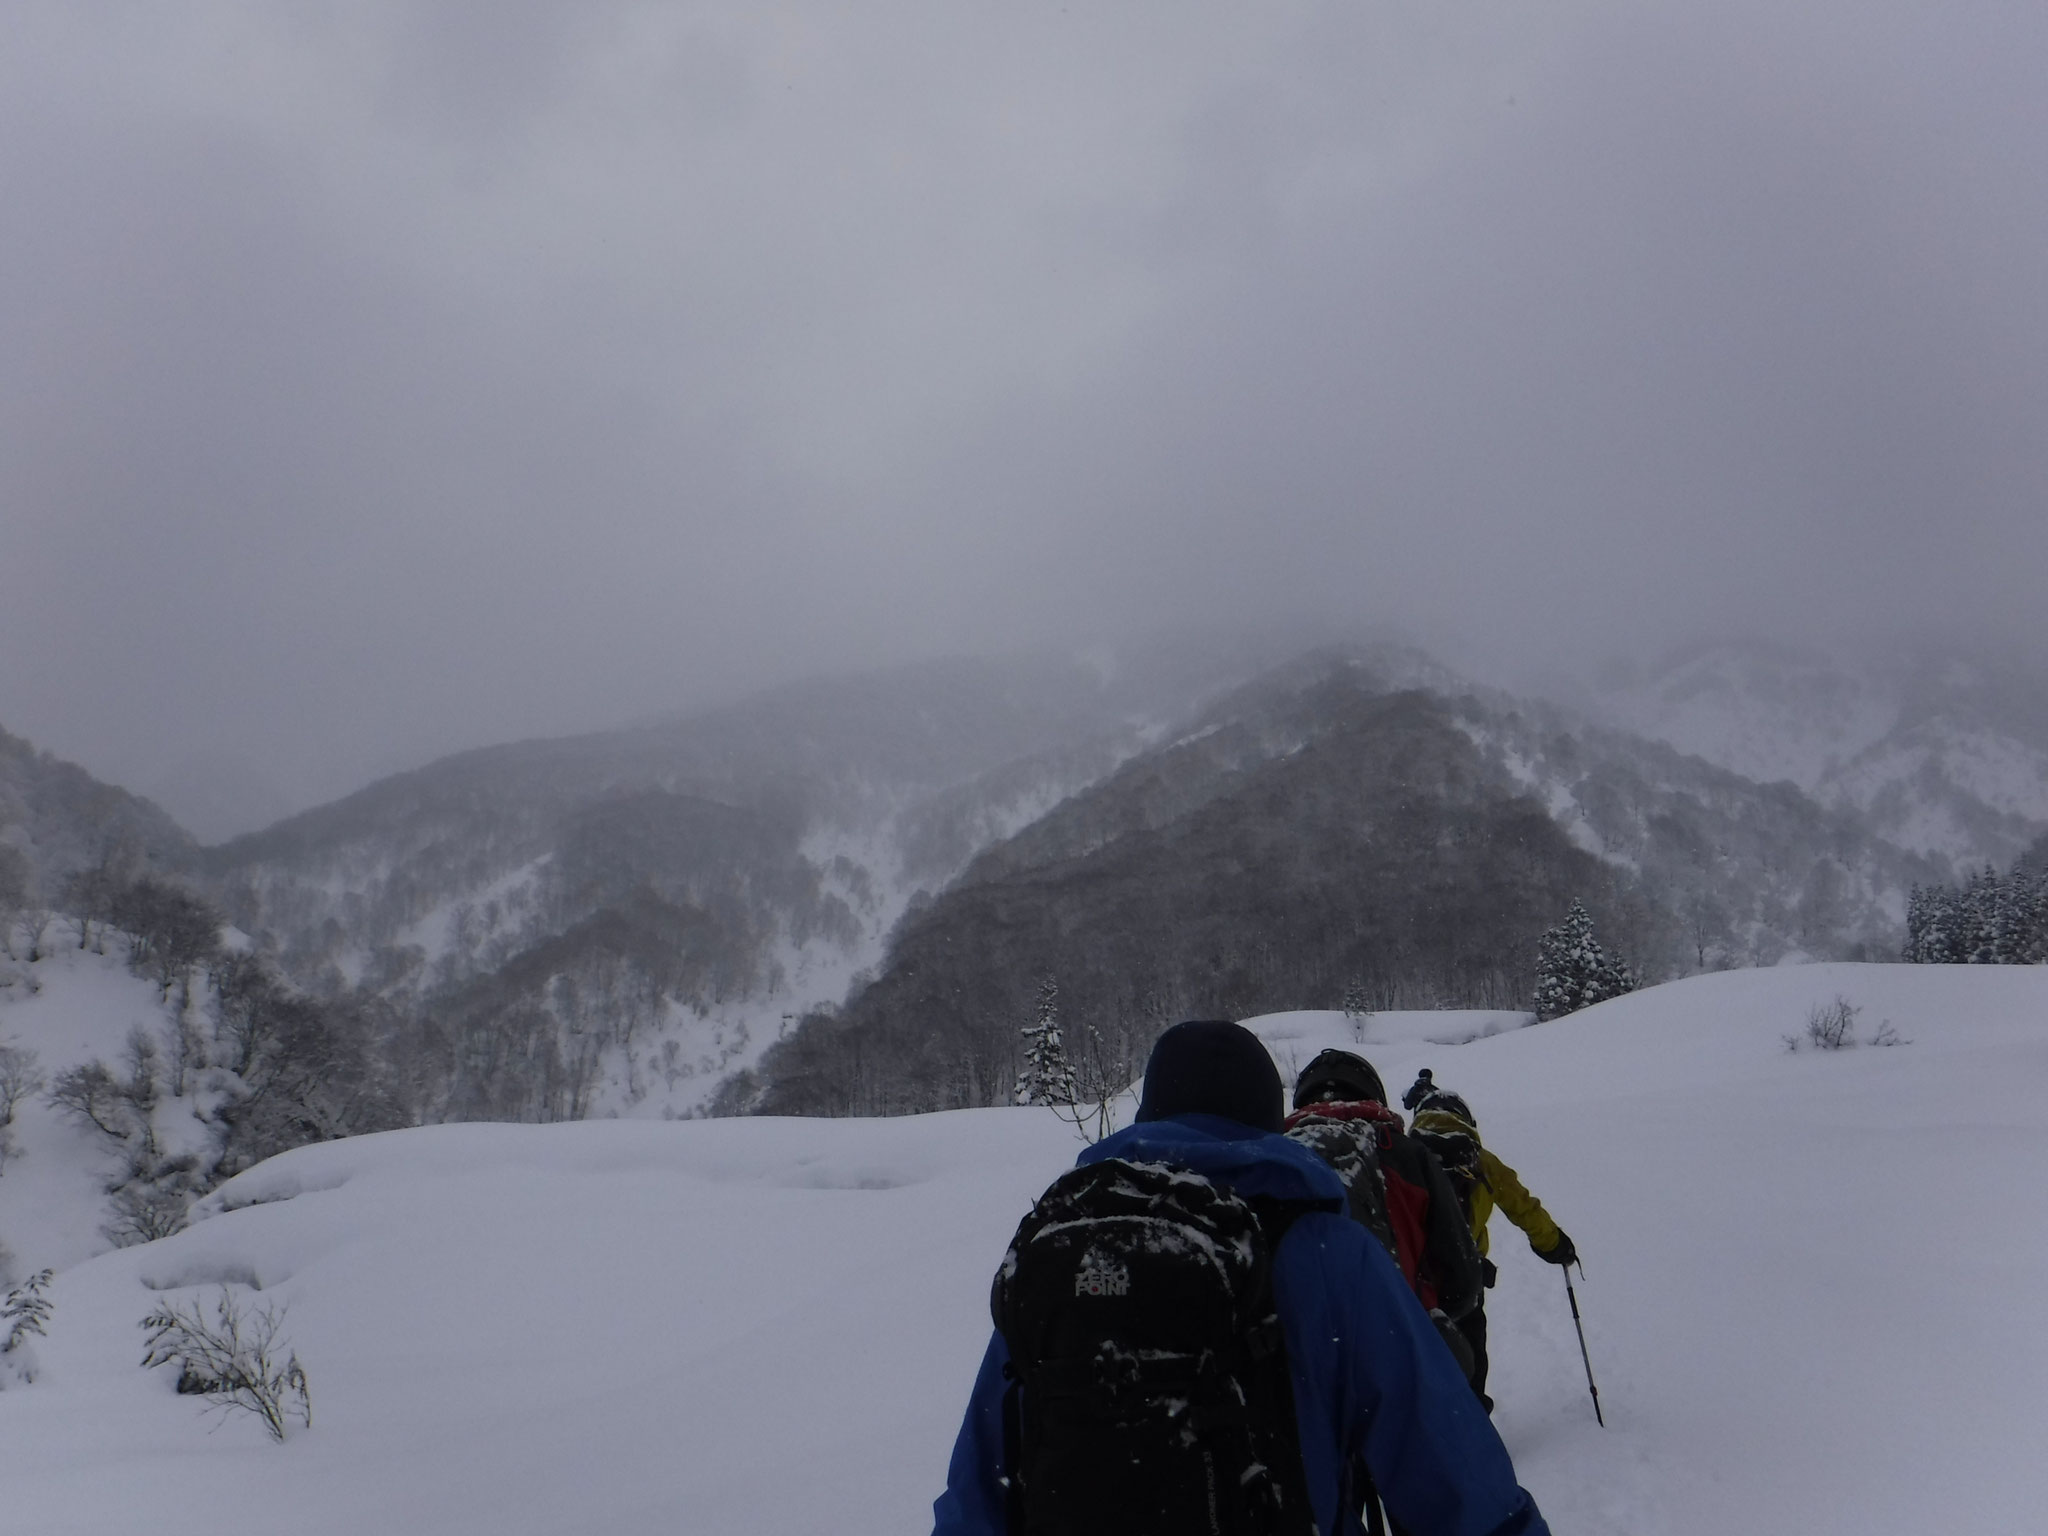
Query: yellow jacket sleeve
[(1499, 1185)]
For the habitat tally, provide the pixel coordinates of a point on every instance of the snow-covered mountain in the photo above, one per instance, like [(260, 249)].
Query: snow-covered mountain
[(1799, 1295), (60, 820), (1328, 829), (621, 922), (611, 923), (1943, 753)]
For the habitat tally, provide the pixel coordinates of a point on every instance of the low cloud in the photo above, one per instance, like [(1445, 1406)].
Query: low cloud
[(381, 380)]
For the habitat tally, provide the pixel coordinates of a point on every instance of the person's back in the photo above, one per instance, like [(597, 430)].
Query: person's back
[(1396, 1186), (1370, 1379), (1445, 1123)]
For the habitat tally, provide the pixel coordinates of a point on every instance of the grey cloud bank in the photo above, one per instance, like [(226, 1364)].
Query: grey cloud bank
[(381, 380)]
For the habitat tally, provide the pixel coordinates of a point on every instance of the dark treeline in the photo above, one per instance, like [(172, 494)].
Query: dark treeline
[(1989, 919)]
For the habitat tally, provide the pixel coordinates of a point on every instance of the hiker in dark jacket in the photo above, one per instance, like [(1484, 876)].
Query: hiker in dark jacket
[(1446, 1124), (1371, 1379)]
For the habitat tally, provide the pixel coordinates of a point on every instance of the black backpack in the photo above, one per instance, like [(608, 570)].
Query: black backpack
[(1149, 1387), (1457, 1150), (1352, 1149)]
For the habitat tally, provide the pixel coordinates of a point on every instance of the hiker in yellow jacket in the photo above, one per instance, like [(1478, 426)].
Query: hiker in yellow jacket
[(1446, 1125)]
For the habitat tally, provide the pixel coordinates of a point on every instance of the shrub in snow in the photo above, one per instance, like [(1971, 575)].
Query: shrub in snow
[(141, 1211), (23, 1314), (232, 1360), (1832, 1026), (1573, 971), (1102, 1079)]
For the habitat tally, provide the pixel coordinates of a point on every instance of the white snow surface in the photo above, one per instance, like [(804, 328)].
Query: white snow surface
[(82, 1007), (1810, 1293)]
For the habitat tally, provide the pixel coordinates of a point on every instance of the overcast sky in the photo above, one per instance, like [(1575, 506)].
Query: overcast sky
[(382, 379)]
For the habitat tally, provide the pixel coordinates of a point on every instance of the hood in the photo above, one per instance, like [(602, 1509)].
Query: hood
[(1238, 1156), (1442, 1122)]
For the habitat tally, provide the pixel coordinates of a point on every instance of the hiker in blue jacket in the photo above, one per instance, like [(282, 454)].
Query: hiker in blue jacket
[(1373, 1383)]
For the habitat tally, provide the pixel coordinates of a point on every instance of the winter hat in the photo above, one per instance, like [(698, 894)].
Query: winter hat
[(1212, 1067), (1340, 1075)]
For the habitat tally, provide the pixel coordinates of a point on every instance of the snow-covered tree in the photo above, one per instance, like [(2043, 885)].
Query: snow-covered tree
[(1990, 919), (24, 1312), (1046, 1077), (1573, 971)]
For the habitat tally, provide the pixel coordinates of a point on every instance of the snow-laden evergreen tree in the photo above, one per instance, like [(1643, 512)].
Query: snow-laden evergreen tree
[(1926, 917), (1046, 1077), (1991, 919), (1356, 1004), (1573, 971)]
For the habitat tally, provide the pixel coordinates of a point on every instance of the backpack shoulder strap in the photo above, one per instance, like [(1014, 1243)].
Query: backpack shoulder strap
[(1277, 1214)]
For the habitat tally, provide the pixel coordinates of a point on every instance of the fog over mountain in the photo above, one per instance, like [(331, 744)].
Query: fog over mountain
[(843, 895), (386, 380)]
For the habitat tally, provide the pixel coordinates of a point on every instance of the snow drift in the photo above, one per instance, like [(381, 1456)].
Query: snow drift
[(1808, 1293)]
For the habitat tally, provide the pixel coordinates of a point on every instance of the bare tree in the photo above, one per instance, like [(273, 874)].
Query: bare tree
[(89, 901), (20, 1076), (117, 1107), (34, 920), (91, 1093), (170, 931), (14, 889), (1101, 1076)]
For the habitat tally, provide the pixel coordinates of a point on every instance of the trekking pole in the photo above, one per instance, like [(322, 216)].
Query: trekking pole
[(1576, 1323)]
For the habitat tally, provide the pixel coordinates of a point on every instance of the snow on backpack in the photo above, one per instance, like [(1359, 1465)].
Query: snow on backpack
[(1150, 1394), (1397, 1191), (1352, 1149)]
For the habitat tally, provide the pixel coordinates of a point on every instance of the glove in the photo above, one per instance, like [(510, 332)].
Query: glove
[(1563, 1253)]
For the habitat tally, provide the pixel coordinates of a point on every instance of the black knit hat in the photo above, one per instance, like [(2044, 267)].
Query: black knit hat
[(1212, 1067), (1340, 1075)]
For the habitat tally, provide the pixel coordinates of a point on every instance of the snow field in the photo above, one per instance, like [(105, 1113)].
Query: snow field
[(84, 1006), (1809, 1293)]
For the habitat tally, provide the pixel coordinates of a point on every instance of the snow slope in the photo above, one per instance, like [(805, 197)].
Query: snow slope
[(81, 1008), (1810, 1286), (1942, 756)]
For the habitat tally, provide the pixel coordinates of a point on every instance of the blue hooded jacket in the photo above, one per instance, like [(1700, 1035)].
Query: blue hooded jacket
[(1371, 1376)]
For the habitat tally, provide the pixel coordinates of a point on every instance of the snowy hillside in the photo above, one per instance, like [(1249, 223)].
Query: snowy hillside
[(71, 1006), (1940, 754), (1805, 1294)]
